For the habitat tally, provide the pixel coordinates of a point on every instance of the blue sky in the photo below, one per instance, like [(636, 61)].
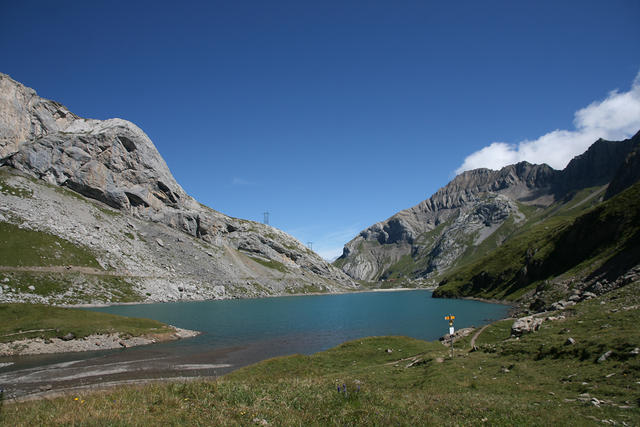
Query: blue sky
[(334, 115)]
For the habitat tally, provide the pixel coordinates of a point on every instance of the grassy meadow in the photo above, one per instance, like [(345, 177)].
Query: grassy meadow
[(538, 379), (18, 321)]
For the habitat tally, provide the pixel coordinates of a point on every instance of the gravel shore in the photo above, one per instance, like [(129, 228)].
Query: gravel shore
[(88, 343)]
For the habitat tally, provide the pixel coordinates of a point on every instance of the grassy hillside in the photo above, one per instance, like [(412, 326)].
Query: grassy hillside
[(572, 205), (23, 247), (70, 287), (19, 321), (606, 237), (39, 263), (535, 380)]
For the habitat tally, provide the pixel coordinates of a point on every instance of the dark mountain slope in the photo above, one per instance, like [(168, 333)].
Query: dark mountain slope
[(605, 238), (628, 172)]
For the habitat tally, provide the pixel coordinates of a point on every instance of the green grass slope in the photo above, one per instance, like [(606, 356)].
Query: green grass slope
[(569, 207), (536, 380), (605, 237), (37, 259), (19, 321), (416, 264), (20, 247)]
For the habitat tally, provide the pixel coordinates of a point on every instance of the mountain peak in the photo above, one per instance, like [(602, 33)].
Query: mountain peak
[(114, 162), (436, 233)]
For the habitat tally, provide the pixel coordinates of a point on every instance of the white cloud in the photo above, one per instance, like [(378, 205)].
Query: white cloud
[(616, 117)]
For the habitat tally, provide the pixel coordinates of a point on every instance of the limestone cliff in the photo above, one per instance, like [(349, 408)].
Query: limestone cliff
[(475, 212), (115, 163)]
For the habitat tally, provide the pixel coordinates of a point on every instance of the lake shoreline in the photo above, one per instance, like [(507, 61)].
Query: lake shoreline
[(358, 291), (241, 332), (34, 346)]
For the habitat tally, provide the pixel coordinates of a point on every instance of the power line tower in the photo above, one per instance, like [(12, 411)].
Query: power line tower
[(310, 244), (266, 218)]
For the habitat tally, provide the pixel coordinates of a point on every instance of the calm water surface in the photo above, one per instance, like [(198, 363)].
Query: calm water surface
[(236, 333), (308, 324)]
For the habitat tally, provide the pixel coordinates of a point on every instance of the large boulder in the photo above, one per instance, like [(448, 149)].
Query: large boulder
[(526, 325)]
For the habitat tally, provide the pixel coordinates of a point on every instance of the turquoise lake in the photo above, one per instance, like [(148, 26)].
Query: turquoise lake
[(237, 333), (308, 324)]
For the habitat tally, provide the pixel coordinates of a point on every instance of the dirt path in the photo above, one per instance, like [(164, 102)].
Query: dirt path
[(26, 332), (476, 335), (418, 358), (63, 269), (73, 269)]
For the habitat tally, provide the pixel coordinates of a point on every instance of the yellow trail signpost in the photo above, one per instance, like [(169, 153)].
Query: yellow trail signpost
[(451, 330)]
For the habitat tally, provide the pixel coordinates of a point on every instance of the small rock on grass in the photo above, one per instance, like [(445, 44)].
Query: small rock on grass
[(605, 356), (69, 336)]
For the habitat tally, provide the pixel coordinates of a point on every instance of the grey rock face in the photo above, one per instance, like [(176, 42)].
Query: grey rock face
[(24, 116), (437, 232), (115, 162), (112, 161)]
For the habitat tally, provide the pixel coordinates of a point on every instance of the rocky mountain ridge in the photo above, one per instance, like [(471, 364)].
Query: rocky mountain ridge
[(114, 163), (478, 210), (558, 260)]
